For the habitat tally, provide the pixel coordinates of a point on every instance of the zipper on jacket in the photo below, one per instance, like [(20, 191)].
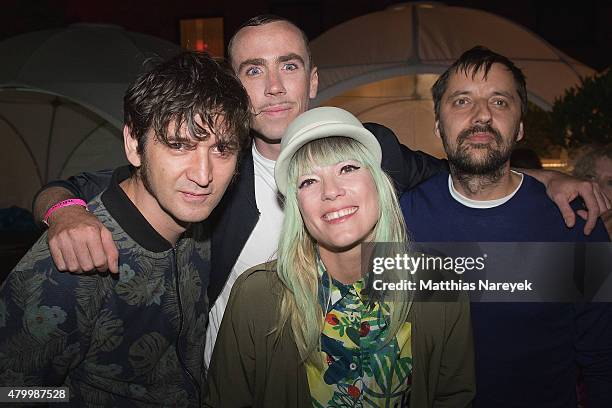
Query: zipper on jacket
[(181, 322)]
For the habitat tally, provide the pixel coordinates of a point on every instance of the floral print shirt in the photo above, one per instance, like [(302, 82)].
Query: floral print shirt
[(358, 372)]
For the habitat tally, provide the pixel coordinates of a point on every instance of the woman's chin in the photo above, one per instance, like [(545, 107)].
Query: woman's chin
[(342, 245)]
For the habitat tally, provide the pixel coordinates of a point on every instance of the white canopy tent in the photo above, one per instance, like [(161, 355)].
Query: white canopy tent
[(380, 66), (45, 137), (61, 99)]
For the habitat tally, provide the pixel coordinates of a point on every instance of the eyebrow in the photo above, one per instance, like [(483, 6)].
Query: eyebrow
[(262, 62), (503, 93), (251, 61), (290, 57), (457, 93), (496, 93)]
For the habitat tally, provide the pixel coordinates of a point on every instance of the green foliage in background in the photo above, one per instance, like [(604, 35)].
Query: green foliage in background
[(584, 114), (538, 132)]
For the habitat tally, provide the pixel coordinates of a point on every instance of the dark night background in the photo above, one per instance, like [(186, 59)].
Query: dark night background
[(582, 29)]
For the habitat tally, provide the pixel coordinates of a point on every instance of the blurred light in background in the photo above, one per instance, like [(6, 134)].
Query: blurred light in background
[(203, 34)]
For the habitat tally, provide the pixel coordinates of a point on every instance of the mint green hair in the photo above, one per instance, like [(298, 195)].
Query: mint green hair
[(296, 265)]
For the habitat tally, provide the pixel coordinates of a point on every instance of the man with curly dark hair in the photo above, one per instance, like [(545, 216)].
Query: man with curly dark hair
[(136, 338)]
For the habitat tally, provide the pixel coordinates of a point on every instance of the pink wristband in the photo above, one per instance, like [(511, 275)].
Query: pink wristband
[(61, 204)]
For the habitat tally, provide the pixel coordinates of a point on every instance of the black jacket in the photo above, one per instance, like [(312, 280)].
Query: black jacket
[(236, 215)]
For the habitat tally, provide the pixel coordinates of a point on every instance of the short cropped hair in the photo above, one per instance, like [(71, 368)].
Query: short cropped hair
[(182, 89), (471, 62), (264, 19)]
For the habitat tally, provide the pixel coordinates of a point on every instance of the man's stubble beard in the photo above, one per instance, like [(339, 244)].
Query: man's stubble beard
[(142, 173), (474, 175)]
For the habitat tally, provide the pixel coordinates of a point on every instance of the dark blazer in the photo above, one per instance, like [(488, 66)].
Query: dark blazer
[(236, 215)]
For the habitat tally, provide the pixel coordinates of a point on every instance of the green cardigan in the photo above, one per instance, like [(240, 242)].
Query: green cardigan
[(250, 369)]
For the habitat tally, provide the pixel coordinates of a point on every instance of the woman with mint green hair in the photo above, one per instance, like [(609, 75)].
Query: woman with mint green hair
[(312, 328)]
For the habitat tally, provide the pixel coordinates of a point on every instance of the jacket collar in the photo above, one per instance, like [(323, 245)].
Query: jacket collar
[(123, 210), (232, 223), (245, 178)]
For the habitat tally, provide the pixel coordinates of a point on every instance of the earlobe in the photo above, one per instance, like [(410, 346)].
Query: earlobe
[(130, 144), (314, 83), (437, 129), (520, 133)]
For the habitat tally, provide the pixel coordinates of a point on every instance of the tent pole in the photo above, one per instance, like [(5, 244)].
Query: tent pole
[(26, 145), (55, 103), (100, 125)]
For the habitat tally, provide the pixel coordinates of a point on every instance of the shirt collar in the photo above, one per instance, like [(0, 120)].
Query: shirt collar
[(468, 202), (331, 290)]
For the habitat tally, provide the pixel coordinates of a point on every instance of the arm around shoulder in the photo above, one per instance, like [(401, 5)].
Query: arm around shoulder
[(84, 186), (406, 167), (563, 189), (77, 239)]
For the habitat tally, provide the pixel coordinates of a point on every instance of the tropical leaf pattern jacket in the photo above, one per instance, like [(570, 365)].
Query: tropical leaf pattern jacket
[(130, 340)]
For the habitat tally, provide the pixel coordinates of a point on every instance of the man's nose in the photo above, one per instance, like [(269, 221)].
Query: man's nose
[(482, 112), (200, 167), (274, 84)]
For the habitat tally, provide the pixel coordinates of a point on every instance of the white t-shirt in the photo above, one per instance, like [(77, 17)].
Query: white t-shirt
[(468, 202), (260, 247)]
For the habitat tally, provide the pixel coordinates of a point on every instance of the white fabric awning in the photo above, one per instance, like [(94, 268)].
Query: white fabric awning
[(381, 66), (61, 102), (423, 38)]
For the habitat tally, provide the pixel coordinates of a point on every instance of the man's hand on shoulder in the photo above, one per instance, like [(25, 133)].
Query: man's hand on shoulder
[(79, 242), (563, 189)]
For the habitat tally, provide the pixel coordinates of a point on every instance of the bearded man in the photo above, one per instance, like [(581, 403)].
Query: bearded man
[(527, 354)]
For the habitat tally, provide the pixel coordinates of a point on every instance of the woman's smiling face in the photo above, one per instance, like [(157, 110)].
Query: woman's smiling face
[(339, 204)]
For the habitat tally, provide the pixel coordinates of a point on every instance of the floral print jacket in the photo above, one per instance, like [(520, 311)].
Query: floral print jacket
[(130, 340)]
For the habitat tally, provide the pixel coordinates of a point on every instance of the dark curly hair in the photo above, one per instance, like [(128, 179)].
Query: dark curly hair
[(177, 92)]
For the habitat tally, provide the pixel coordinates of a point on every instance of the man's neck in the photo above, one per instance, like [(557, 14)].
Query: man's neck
[(149, 207), (270, 151), (485, 187), (345, 266)]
